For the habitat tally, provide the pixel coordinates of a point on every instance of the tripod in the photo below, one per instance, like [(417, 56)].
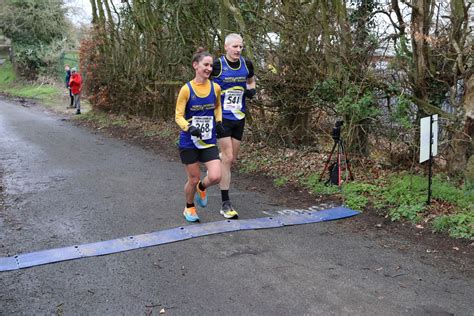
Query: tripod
[(341, 155)]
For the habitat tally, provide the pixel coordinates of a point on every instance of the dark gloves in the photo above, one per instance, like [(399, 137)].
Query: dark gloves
[(219, 129), (194, 131), (249, 93)]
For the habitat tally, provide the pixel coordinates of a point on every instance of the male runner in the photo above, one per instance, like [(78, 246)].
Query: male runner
[(235, 75)]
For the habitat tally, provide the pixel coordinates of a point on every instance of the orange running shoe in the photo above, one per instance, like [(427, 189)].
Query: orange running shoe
[(190, 214), (200, 196)]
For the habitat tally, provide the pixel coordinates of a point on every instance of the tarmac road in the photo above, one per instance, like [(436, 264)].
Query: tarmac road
[(64, 185)]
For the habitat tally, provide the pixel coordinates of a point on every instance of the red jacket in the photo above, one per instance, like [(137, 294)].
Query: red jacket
[(75, 83)]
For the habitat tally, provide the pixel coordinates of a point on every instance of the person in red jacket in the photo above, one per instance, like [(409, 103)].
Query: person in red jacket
[(75, 84)]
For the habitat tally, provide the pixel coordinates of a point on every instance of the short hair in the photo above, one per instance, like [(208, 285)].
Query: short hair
[(232, 37)]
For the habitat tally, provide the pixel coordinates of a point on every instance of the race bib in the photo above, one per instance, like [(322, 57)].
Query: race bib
[(233, 100), (205, 124)]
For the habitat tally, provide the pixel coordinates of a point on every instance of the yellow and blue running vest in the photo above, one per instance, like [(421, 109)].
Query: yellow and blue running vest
[(200, 113), (233, 83)]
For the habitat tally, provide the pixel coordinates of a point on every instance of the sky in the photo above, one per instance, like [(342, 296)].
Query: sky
[(79, 11)]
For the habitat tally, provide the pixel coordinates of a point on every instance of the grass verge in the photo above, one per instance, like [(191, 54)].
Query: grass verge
[(10, 85), (390, 194), (403, 196)]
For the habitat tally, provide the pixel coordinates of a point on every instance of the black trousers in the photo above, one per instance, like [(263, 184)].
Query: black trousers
[(72, 98)]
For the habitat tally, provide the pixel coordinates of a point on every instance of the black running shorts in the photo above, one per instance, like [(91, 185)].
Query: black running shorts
[(234, 129), (190, 156)]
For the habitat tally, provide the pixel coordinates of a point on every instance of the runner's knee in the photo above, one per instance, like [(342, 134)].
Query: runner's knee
[(214, 176), (227, 158), (193, 179)]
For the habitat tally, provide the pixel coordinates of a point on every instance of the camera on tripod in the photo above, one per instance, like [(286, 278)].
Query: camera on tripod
[(340, 170), (336, 130)]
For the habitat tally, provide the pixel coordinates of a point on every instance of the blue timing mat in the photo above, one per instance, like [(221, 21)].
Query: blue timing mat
[(167, 236)]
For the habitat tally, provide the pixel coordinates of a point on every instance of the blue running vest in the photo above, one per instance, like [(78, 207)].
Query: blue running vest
[(233, 83), (200, 112)]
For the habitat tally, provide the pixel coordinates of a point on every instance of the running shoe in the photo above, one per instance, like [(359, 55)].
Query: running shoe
[(200, 197), (228, 211), (190, 214)]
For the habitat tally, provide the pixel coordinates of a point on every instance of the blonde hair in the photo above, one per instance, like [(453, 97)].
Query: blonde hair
[(232, 37)]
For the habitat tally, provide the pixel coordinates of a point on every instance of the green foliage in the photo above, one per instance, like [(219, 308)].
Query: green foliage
[(94, 116), (28, 60), (41, 92), (405, 190), (39, 58), (319, 187), (326, 93), (38, 33), (403, 196), (458, 226), (403, 112), (356, 202), (247, 166), (119, 122), (469, 176), (7, 75), (8, 85), (348, 101), (280, 181), (29, 22), (445, 191), (357, 105), (402, 50), (70, 58), (356, 194), (407, 211)]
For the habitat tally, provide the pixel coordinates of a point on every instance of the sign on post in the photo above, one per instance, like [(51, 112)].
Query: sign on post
[(428, 126), (429, 144)]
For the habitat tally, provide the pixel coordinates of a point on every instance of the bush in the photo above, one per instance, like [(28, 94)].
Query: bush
[(33, 60)]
